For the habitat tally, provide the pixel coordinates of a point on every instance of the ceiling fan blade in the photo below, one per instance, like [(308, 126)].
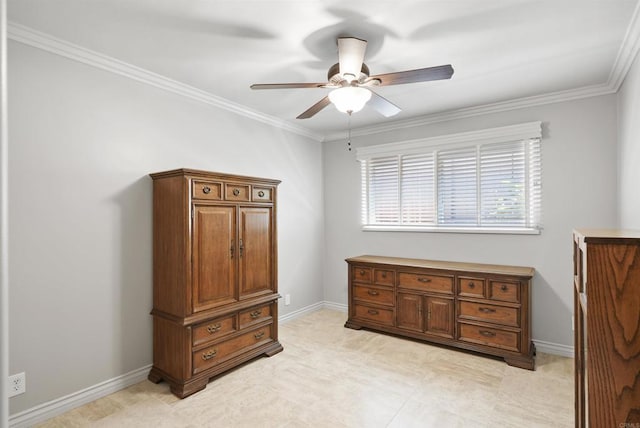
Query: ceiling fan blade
[(311, 111), (351, 56), (287, 85), (440, 72), (383, 105)]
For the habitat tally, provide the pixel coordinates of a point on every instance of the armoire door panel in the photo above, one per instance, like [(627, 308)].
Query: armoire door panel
[(214, 256), (409, 313), (255, 255), (440, 316)]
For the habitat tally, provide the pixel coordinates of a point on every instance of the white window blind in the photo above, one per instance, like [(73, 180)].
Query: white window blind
[(480, 181)]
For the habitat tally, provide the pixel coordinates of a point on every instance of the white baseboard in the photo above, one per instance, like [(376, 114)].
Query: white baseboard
[(554, 348), (61, 405)]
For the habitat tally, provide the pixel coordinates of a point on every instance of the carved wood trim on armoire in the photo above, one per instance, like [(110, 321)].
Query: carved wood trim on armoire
[(215, 279)]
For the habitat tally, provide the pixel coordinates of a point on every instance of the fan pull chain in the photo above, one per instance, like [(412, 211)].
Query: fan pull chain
[(349, 133)]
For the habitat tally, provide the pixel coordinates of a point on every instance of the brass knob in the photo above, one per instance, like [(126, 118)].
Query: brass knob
[(255, 314), (424, 279), (209, 355), (361, 272), (486, 310), (503, 288), (259, 335), (471, 285), (214, 328), (261, 194), (372, 312), (373, 293), (384, 274), (487, 333), (236, 192), (206, 190)]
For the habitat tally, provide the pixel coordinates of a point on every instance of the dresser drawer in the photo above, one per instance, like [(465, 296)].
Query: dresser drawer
[(236, 192), (384, 277), (504, 291), (215, 354), (382, 316), (213, 330), (362, 274), (494, 337), (435, 283), (206, 190), (490, 313), (255, 315), (373, 295), (262, 194), (471, 287)]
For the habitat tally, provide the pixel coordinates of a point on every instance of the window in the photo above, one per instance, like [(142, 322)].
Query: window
[(483, 181)]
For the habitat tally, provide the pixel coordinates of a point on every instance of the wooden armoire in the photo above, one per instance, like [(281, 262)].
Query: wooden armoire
[(214, 275), (606, 291)]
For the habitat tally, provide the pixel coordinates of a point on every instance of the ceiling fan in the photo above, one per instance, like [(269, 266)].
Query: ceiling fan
[(351, 82)]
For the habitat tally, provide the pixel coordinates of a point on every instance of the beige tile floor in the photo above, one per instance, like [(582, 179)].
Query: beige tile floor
[(330, 376)]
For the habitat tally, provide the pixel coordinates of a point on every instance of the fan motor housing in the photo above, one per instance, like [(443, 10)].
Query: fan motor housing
[(334, 77)]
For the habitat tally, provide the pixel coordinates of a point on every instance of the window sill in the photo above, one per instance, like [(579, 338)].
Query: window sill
[(485, 230)]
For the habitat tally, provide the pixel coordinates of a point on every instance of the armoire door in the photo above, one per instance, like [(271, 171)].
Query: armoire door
[(214, 256), (409, 313), (255, 252), (440, 316)]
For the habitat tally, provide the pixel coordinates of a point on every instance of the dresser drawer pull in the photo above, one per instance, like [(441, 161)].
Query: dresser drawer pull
[(236, 192), (372, 293), (486, 333), (259, 335), (471, 285), (261, 194), (206, 190), (372, 312), (503, 287), (384, 274), (424, 279), (214, 328), (487, 310), (361, 272), (255, 314), (209, 355)]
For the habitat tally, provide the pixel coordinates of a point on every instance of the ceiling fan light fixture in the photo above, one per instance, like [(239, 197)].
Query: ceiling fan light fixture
[(350, 99)]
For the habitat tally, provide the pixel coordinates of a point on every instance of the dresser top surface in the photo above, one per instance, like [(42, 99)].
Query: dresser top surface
[(445, 265), (596, 235)]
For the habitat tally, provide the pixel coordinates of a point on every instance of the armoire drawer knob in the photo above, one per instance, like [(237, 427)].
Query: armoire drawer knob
[(214, 328), (259, 335), (424, 279), (236, 192), (255, 314), (372, 293), (261, 194), (209, 355), (471, 285), (206, 190), (503, 288), (486, 333)]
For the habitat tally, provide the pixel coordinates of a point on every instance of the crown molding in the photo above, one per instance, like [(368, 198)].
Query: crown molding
[(46, 42), (519, 103), (627, 53)]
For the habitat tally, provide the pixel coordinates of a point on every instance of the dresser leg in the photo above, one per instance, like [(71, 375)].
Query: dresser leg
[(527, 362), (351, 324), (154, 376)]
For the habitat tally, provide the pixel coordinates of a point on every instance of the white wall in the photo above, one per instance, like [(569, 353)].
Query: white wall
[(579, 190), (82, 143), (629, 149)]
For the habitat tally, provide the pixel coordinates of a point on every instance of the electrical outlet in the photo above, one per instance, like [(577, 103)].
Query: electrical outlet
[(287, 299), (17, 384)]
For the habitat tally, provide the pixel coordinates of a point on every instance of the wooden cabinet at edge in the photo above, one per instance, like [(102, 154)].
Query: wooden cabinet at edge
[(214, 275), (607, 327), (483, 308)]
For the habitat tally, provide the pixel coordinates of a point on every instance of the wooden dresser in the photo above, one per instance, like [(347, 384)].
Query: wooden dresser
[(479, 307), (607, 327), (214, 275)]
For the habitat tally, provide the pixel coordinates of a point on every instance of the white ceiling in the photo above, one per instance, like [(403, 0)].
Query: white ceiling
[(500, 49)]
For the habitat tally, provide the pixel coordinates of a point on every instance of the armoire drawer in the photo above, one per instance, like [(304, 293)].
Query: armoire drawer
[(236, 192), (504, 291), (494, 337), (255, 315), (471, 287), (213, 330), (207, 190), (215, 354), (362, 274)]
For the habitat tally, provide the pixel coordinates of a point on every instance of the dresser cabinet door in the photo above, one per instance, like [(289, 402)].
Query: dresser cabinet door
[(213, 256), (440, 316), (256, 235), (409, 314)]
